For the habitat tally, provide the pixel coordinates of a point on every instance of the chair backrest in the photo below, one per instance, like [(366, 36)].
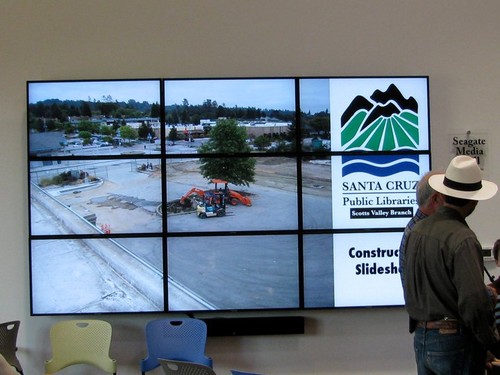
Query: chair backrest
[(171, 367), (6, 368), (8, 343), (181, 339), (80, 342)]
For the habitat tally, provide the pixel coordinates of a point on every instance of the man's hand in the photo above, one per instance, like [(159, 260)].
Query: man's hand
[(491, 360), (493, 294)]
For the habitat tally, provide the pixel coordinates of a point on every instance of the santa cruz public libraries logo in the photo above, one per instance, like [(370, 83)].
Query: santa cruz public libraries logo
[(387, 121), (388, 192), (380, 186)]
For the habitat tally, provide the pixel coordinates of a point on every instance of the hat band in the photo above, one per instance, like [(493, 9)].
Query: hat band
[(462, 186)]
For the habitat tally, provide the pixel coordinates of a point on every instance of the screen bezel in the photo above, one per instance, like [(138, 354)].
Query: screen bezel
[(301, 229)]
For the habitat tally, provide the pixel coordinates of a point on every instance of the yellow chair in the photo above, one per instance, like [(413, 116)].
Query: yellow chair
[(80, 342)]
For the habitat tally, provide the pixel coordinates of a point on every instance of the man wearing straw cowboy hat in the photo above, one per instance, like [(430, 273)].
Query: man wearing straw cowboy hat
[(444, 289)]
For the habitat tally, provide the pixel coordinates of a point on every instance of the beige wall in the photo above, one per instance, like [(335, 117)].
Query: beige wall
[(455, 42)]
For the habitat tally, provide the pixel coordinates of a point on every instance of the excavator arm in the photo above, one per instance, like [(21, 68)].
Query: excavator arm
[(193, 191)]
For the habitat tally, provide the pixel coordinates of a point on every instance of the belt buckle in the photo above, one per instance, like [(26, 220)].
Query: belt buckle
[(447, 331)]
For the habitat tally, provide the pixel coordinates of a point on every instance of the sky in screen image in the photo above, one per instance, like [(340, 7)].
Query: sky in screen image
[(278, 94), (314, 95), (148, 91)]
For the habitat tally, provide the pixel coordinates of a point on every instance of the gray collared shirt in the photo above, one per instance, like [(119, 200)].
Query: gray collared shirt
[(444, 274)]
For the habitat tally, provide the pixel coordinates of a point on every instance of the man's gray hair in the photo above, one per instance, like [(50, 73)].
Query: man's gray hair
[(424, 190)]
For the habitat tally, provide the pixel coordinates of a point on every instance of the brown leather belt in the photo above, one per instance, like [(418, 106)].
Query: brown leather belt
[(439, 324)]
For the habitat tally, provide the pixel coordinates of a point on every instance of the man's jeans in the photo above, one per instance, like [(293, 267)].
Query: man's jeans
[(457, 353)]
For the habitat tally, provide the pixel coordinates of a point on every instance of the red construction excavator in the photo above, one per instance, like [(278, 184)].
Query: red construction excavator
[(232, 197)]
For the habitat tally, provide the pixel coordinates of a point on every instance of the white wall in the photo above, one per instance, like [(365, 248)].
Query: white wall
[(454, 42)]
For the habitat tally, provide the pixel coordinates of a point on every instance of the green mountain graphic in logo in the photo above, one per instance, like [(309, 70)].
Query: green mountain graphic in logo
[(387, 122)]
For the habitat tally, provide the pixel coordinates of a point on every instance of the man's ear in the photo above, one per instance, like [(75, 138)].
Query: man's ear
[(438, 198)]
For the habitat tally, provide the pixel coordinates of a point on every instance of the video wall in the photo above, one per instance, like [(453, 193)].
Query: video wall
[(230, 194)]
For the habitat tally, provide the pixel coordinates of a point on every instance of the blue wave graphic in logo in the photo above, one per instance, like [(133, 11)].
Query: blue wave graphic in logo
[(380, 165)]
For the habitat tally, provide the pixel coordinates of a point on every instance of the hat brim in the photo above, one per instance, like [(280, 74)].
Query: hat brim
[(487, 191)]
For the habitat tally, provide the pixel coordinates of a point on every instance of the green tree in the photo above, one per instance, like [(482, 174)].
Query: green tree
[(320, 124), (127, 132), (195, 119), (184, 117), (107, 109), (85, 110), (68, 128), (262, 142), (85, 136), (74, 111), (172, 135), (173, 118), (228, 138), (144, 130), (88, 126), (107, 130), (57, 113), (107, 138), (155, 110)]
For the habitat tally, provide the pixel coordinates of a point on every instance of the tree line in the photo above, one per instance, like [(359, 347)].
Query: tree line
[(186, 113), (62, 110), (55, 114)]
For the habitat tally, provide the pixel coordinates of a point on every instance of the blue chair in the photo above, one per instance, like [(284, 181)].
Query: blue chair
[(171, 367), (180, 339), (236, 372)]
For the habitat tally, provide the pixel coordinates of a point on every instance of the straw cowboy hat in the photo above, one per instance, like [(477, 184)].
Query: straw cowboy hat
[(463, 180)]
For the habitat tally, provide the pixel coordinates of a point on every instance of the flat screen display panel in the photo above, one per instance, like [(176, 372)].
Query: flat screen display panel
[(365, 269), (365, 114), (68, 118), (260, 106), (92, 196), (88, 275), (352, 270), (318, 270), (317, 193), (380, 114), (375, 191), (233, 273), (268, 203), (203, 195)]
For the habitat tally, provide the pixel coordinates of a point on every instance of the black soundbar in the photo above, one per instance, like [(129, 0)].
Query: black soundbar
[(245, 326)]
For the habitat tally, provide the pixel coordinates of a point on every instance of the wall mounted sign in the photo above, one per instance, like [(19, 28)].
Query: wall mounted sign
[(471, 144)]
